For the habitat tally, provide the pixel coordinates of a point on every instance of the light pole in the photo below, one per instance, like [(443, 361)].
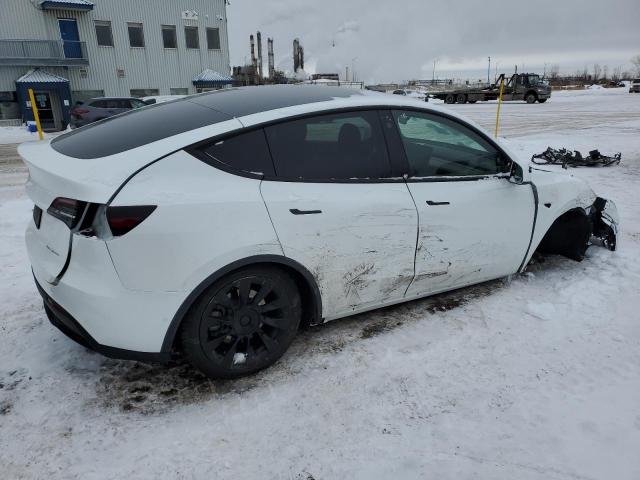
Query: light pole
[(353, 68), (489, 72), (433, 76)]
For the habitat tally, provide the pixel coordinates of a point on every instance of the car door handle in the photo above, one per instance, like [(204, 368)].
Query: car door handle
[(432, 203), (295, 211)]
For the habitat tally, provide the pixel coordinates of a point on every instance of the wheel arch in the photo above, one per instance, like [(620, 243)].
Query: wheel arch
[(568, 234), (306, 283)]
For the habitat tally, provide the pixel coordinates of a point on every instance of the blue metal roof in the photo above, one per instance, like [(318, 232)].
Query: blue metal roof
[(66, 4), (208, 76)]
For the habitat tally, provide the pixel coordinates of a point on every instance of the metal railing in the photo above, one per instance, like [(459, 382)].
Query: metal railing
[(56, 52)]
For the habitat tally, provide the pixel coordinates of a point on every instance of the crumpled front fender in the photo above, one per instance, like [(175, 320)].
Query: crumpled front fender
[(605, 221)]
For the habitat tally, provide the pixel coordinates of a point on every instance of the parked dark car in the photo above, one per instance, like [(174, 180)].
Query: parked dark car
[(94, 109)]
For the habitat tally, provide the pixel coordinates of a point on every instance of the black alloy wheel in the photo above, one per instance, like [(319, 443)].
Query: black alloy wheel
[(242, 323)]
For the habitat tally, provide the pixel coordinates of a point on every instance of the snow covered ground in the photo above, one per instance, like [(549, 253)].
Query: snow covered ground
[(538, 378)]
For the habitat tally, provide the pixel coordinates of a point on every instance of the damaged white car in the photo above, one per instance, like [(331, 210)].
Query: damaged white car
[(217, 225)]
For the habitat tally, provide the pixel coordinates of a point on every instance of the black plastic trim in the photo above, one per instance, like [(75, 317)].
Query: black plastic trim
[(536, 200), (296, 211), (64, 321), (172, 331)]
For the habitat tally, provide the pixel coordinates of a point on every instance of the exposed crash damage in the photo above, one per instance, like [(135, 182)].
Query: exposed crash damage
[(573, 232), (568, 158)]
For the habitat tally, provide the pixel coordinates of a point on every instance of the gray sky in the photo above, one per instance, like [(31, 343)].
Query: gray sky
[(399, 40)]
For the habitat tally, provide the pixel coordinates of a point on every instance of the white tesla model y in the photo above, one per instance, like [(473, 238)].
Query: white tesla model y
[(217, 225)]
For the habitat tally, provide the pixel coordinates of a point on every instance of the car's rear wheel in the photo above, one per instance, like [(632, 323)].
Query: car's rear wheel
[(243, 323)]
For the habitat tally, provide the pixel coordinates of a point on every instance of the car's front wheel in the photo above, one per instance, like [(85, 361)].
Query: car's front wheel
[(243, 323)]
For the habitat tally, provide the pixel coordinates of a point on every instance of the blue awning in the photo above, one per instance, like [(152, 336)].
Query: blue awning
[(210, 78), (66, 5)]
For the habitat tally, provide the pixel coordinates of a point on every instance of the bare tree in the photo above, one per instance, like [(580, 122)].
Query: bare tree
[(616, 76), (554, 71), (597, 71), (605, 72), (636, 64)]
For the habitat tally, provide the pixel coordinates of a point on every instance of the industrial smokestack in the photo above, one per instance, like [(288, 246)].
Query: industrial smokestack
[(259, 38), (296, 55), (270, 57), (253, 51), (301, 53)]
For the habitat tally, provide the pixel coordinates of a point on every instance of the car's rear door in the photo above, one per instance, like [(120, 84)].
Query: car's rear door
[(338, 211), (475, 225)]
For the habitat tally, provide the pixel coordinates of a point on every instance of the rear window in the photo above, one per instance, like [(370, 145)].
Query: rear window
[(136, 128), (344, 146)]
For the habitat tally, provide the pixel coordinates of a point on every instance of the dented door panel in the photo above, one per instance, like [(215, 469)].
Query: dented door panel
[(470, 231), (357, 239)]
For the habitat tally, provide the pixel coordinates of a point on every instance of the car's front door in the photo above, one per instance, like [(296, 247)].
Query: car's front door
[(475, 225), (337, 211)]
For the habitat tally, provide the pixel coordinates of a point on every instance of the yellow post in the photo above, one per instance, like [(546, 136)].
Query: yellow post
[(499, 106), (36, 117)]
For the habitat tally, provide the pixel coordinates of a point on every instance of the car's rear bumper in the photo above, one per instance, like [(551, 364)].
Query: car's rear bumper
[(92, 303), (68, 325)]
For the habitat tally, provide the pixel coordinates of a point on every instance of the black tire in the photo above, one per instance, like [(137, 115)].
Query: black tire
[(461, 98), (243, 323), (542, 100), (530, 98), (450, 98)]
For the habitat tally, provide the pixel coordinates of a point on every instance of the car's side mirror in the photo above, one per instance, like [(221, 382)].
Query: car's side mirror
[(516, 175)]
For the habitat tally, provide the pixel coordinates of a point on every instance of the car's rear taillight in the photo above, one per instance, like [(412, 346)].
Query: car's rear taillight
[(124, 219), (67, 209), (79, 111)]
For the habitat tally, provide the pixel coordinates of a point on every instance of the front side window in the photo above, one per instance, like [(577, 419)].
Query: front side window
[(103, 34), (436, 146), (213, 39), (136, 35), (247, 152), (169, 39), (191, 37), (343, 146)]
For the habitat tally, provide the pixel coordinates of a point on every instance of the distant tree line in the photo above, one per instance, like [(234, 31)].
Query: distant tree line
[(600, 74)]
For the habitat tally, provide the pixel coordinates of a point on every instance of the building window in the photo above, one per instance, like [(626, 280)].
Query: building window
[(136, 35), (213, 38), (179, 91), (144, 92), (103, 34), (169, 39), (191, 37)]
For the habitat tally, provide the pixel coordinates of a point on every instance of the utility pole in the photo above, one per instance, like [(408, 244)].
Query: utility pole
[(433, 76), (489, 72)]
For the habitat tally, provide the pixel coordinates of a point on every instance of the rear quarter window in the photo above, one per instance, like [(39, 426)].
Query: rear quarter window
[(247, 152)]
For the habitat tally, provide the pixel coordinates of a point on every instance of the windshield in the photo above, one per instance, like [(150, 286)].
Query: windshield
[(534, 79)]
